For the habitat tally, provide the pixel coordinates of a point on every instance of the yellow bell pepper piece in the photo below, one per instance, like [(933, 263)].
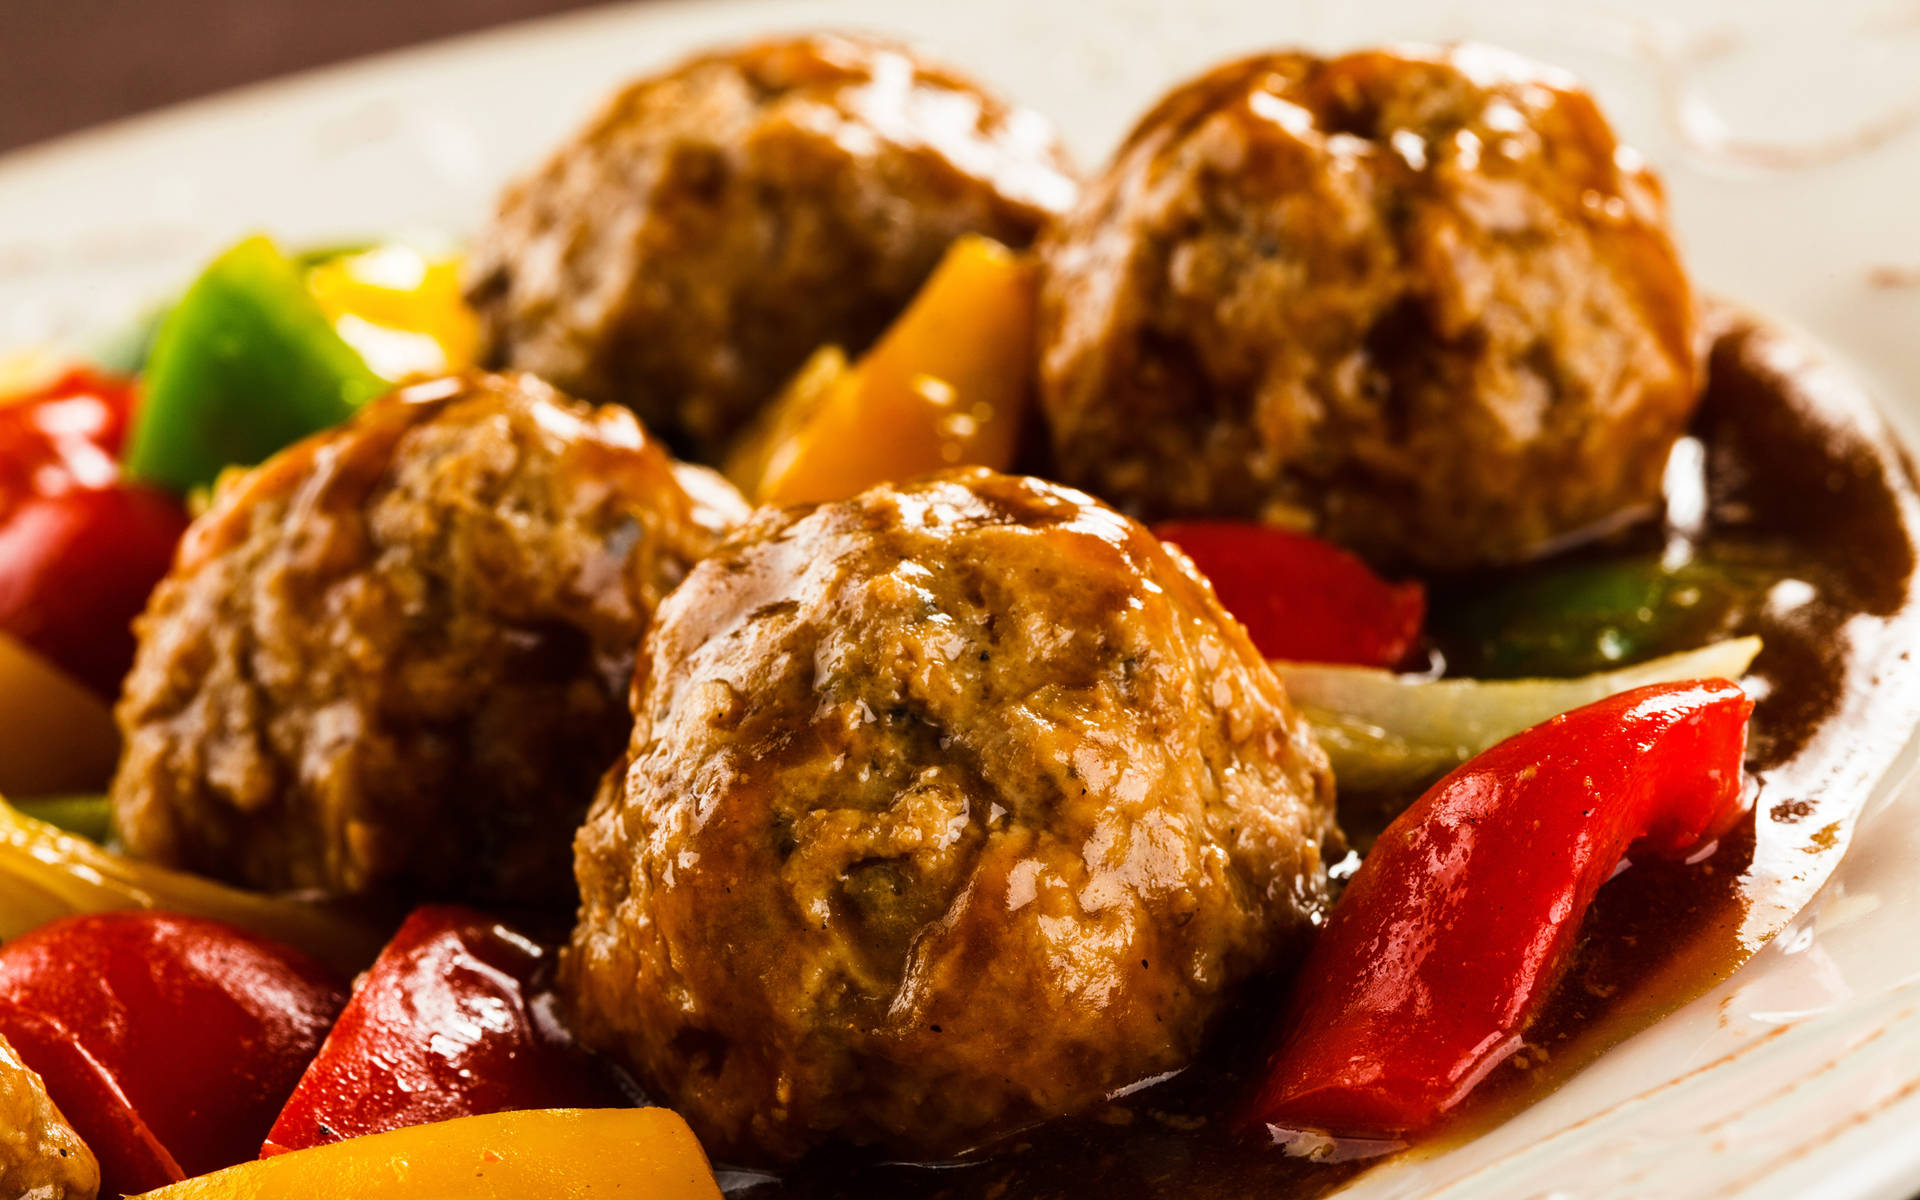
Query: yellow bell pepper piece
[(55, 735), (27, 372), (402, 311), (551, 1154), (47, 873), (946, 385)]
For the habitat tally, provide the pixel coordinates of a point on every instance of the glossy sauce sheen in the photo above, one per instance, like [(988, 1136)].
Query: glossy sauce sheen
[(1803, 487)]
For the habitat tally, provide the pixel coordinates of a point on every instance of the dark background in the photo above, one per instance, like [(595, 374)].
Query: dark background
[(67, 64)]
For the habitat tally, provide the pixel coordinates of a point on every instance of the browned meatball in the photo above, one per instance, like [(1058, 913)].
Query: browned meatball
[(395, 657), (714, 225), (951, 807), (41, 1158), (1419, 301)]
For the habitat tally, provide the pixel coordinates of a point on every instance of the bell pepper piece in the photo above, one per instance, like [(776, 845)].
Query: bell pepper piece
[(403, 312), (75, 570), (947, 385), (1595, 616), (246, 364), (449, 1022), (90, 817), (80, 550), (55, 734), (202, 1027), (1452, 934), (87, 1094), (553, 1154), (48, 873), (1301, 598), (27, 371), (41, 1157)]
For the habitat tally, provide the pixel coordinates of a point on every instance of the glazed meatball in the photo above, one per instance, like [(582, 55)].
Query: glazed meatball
[(949, 808), (714, 225), (395, 658), (1420, 302), (41, 1158)]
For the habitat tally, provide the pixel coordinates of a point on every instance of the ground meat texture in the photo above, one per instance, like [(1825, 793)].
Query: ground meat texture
[(949, 808), (715, 224), (395, 658), (41, 1158), (1419, 301)]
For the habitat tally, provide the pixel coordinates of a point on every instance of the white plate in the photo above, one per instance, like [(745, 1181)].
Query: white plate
[(1785, 133)]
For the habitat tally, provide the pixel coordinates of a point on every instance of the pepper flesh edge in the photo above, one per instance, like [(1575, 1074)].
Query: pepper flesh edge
[(556, 1154), (1452, 934)]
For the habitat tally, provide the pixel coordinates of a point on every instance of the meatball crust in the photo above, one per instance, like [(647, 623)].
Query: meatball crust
[(1420, 301), (949, 808), (395, 657), (41, 1157), (715, 224)]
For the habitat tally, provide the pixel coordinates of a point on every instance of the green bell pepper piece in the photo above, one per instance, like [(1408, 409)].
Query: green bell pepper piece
[(1577, 620), (89, 816), (244, 365)]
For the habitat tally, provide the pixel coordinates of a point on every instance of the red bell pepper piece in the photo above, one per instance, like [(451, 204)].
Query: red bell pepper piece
[(1302, 598), (1453, 932), (80, 550), (168, 1041), (86, 1092), (449, 1022)]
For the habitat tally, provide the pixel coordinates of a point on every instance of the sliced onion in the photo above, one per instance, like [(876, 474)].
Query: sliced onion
[(1386, 732)]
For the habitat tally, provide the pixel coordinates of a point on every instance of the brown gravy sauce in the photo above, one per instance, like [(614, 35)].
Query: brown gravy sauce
[(1800, 476)]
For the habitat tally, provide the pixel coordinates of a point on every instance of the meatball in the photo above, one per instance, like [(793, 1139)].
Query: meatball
[(714, 225), (40, 1155), (1419, 301), (394, 659), (949, 808)]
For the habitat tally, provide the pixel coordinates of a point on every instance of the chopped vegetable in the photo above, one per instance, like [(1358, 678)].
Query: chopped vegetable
[(246, 363), (1451, 935), (80, 550), (552, 1154), (89, 816), (27, 372), (945, 386), (91, 1100), (46, 874), (77, 568), (311, 258), (787, 419), (1386, 732), (448, 1023), (402, 311), (1593, 617), (55, 735), (41, 1157), (201, 1028), (1301, 598)]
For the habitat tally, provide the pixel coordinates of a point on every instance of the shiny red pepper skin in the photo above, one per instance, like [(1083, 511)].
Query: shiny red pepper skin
[(130, 1154), (168, 1041), (449, 1022), (1451, 935), (1301, 598), (79, 550)]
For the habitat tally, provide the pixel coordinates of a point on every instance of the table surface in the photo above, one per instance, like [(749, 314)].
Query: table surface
[(68, 64)]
